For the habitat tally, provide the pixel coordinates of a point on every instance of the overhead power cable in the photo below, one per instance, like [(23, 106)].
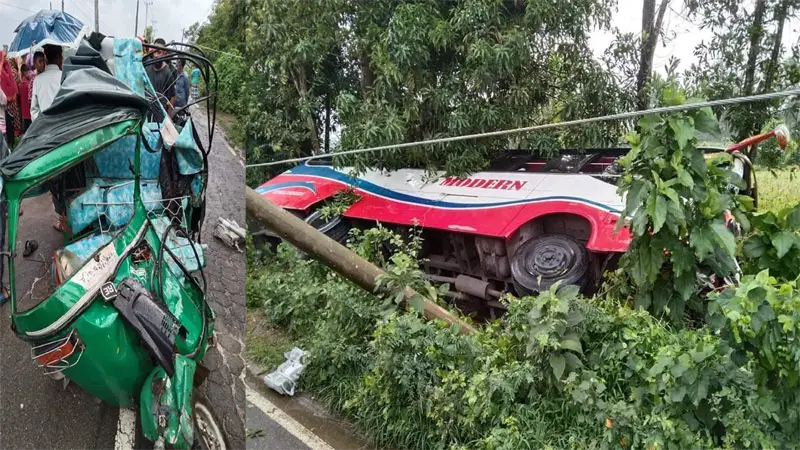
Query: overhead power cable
[(547, 126)]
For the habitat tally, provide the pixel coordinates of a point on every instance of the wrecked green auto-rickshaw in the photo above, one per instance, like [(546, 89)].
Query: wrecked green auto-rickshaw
[(125, 314)]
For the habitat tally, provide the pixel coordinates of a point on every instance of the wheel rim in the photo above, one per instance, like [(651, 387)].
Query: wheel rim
[(207, 429), (316, 221), (549, 260)]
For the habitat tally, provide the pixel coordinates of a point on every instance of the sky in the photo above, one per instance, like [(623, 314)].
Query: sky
[(117, 17), (170, 16), (628, 18)]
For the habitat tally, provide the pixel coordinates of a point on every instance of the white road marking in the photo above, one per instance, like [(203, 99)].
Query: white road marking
[(284, 420), (230, 149), (126, 430)]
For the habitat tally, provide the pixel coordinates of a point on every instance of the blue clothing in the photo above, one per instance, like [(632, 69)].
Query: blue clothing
[(195, 76), (182, 90)]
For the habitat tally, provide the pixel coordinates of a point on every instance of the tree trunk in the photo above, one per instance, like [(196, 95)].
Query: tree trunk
[(301, 84), (328, 122), (367, 76), (756, 33), (651, 28), (780, 16)]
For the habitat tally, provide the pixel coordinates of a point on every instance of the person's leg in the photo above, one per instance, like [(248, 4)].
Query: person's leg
[(10, 132)]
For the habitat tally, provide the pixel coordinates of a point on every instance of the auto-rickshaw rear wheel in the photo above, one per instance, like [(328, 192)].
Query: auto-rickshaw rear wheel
[(208, 434)]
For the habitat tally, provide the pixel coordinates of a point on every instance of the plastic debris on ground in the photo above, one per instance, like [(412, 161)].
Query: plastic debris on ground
[(229, 232), (284, 379)]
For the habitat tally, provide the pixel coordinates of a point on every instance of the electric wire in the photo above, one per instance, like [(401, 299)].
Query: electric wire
[(547, 126)]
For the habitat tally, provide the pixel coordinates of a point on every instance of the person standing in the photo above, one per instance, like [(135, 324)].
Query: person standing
[(181, 87), (195, 83), (3, 102), (15, 107), (36, 66), (47, 83), (25, 93), (9, 87), (162, 77), (45, 88)]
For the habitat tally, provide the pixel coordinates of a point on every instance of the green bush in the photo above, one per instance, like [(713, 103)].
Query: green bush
[(231, 76), (558, 371), (561, 371)]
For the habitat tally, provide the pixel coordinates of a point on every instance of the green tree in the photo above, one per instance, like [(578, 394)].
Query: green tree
[(651, 28), (226, 27), (395, 71), (190, 34), (298, 70), (745, 56)]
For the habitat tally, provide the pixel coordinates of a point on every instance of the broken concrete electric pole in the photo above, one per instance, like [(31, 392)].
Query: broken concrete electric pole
[(339, 258)]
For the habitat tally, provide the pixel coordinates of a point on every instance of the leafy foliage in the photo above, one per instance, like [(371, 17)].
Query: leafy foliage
[(222, 40), (390, 71), (676, 201), (340, 202), (774, 244), (556, 372), (298, 70), (746, 55), (759, 321), (232, 78)]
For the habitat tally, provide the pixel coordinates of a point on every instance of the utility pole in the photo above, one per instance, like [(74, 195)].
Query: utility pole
[(136, 26), (336, 256), (97, 15), (147, 4), (62, 6)]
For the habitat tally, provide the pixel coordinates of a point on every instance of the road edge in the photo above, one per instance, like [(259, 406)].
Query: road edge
[(283, 419)]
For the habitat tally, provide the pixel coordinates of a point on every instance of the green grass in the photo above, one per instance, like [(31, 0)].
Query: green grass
[(266, 344), (234, 128), (778, 189)]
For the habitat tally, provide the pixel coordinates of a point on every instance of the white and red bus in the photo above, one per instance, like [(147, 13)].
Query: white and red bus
[(520, 226)]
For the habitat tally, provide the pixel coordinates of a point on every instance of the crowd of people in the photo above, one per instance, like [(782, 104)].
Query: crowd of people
[(171, 83), (28, 86)]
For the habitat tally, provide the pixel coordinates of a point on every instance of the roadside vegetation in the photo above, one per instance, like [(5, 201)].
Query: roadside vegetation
[(778, 188), (222, 39), (647, 364), (657, 359)]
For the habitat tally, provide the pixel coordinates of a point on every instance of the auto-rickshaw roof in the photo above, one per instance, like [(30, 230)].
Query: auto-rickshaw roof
[(90, 98)]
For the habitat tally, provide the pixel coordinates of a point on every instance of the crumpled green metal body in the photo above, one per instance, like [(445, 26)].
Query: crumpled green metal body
[(113, 365), (165, 406)]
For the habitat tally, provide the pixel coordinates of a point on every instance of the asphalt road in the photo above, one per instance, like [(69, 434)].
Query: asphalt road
[(277, 421), (268, 433), (37, 412)]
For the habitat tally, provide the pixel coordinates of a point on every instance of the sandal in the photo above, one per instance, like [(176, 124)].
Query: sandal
[(30, 247)]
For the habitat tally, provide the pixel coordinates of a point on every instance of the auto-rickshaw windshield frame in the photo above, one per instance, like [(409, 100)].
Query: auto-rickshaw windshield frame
[(60, 160)]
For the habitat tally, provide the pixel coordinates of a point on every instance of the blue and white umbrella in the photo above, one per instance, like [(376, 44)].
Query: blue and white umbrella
[(47, 28)]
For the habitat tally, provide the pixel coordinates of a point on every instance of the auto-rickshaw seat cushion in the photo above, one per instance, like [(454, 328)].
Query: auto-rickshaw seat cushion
[(112, 202), (79, 252), (181, 247), (128, 66), (190, 160), (116, 160)]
